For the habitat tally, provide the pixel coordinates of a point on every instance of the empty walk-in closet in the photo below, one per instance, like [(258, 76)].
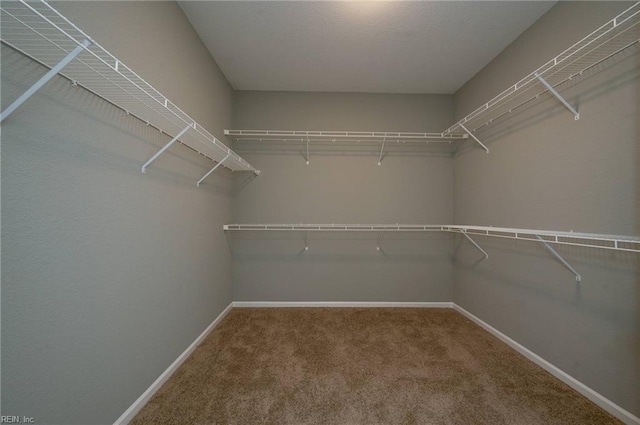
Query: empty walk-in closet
[(320, 212)]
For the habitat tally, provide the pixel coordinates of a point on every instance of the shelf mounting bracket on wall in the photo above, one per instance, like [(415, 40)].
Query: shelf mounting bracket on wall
[(167, 146), (559, 257), (474, 138), (381, 151), (307, 158), (576, 115), (475, 244), (46, 77), (213, 169), (380, 240)]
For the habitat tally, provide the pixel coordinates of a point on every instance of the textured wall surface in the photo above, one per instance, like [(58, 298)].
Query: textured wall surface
[(547, 171), (342, 185), (109, 274)]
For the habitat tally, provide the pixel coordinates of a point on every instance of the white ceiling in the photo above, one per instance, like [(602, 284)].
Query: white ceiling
[(358, 46)]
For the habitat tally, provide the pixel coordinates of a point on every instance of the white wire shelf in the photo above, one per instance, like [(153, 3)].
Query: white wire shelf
[(545, 237), (618, 34), (338, 227), (591, 240), (39, 31), (389, 140), (341, 136)]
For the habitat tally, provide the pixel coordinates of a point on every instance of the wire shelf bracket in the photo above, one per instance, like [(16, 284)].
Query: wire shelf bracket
[(165, 147), (553, 91), (381, 151), (559, 257), (42, 81), (41, 33), (475, 244), (380, 240), (212, 170), (475, 138), (307, 157)]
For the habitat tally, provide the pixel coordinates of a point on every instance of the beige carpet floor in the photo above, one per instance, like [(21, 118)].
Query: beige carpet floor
[(361, 366)]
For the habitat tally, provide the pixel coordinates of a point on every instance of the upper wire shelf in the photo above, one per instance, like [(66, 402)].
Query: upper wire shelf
[(619, 33), (341, 136), (384, 139), (37, 30), (613, 37), (339, 227)]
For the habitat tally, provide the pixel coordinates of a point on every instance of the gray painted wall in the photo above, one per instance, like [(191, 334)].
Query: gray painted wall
[(342, 185), (108, 274), (547, 171)]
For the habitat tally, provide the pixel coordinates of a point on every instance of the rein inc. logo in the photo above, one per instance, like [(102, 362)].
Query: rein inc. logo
[(6, 419)]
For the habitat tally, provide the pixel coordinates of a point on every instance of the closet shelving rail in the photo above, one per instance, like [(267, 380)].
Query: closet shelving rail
[(343, 138), (338, 227), (618, 34), (37, 30), (613, 37), (546, 237), (592, 240)]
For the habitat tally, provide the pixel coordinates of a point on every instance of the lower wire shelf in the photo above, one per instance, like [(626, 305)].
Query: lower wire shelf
[(546, 237), (592, 240)]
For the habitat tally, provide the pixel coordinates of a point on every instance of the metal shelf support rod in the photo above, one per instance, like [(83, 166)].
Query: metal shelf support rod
[(474, 137), (165, 147), (381, 151), (46, 77), (380, 240), (475, 244), (213, 169), (559, 257), (575, 113)]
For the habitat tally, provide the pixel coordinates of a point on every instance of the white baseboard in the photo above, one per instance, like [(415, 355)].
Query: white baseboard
[(128, 415), (601, 401), (255, 304)]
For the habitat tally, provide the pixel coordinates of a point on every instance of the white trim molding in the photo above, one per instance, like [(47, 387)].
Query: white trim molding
[(137, 405), (350, 304), (597, 398)]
